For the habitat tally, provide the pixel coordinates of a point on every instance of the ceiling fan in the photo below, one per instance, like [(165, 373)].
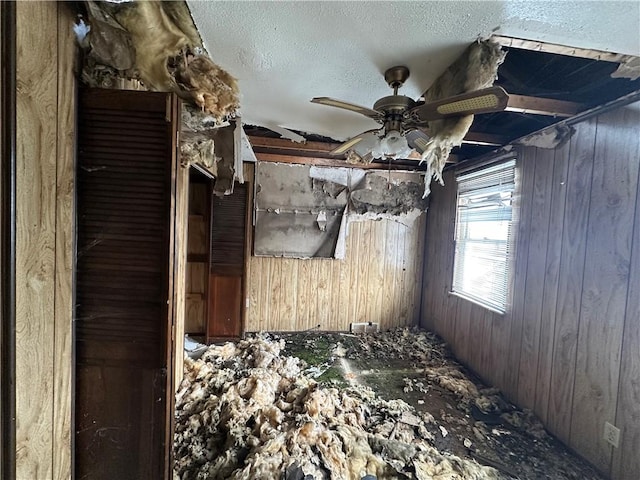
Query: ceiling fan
[(405, 121)]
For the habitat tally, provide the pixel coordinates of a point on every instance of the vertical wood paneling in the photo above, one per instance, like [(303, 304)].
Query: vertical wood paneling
[(626, 461), (419, 267), (376, 271), (605, 285), (336, 319), (288, 293), (461, 343), (65, 233), (303, 305), (570, 281), (375, 282), (568, 345), (395, 273), (552, 272), (390, 258), (44, 239), (537, 251), (449, 303), (515, 316), (37, 100)]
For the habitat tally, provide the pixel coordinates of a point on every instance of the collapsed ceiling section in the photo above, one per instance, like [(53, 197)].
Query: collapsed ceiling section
[(157, 44)]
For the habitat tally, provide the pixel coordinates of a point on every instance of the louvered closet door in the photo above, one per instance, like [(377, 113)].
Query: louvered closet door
[(226, 264), (126, 180)]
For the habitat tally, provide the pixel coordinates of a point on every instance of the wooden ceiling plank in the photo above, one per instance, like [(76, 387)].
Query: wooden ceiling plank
[(542, 106), (547, 47)]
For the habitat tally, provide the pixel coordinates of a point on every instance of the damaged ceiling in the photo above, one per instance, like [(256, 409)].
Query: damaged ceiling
[(285, 53)]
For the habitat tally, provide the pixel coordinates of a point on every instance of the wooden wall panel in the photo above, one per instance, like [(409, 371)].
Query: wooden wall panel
[(550, 281), (515, 315), (540, 202), (568, 344), (572, 260), (44, 238), (606, 280), (65, 239), (626, 460), (376, 282)]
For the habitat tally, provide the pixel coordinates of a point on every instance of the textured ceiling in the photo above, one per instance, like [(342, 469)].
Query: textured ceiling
[(285, 53)]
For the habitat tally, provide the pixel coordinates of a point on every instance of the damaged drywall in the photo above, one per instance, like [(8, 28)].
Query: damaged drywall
[(475, 69), (305, 211), (157, 43), (295, 215)]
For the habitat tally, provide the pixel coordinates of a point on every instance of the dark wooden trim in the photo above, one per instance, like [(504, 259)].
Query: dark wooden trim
[(321, 149), (547, 47), (328, 162), (8, 229)]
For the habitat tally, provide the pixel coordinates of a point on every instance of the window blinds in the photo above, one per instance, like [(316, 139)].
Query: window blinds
[(483, 235)]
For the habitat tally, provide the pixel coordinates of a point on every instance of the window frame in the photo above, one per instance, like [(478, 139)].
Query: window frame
[(504, 170)]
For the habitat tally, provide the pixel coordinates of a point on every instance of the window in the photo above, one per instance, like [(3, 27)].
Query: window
[(483, 235)]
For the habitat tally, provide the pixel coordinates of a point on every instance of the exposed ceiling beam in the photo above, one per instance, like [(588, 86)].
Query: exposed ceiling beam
[(321, 149), (328, 162), (481, 138), (561, 49), (542, 106)]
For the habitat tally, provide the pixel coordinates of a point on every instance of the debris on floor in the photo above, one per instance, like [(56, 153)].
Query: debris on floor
[(246, 411), (314, 405)]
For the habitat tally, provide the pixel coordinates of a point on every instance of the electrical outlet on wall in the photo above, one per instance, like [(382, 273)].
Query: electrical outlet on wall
[(611, 434)]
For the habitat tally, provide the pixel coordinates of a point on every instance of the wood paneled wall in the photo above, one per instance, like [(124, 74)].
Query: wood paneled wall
[(378, 281), (44, 238), (569, 345)]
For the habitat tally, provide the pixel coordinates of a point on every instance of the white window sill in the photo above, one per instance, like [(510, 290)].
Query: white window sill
[(476, 302)]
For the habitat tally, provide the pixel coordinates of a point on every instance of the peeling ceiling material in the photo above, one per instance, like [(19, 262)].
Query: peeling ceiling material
[(475, 69), (166, 50), (285, 53), (247, 411)]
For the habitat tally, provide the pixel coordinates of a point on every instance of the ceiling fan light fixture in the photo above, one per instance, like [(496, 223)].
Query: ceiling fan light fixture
[(392, 145)]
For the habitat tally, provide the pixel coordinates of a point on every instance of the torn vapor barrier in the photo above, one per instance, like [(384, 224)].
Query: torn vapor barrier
[(304, 212), (157, 43), (475, 69), (296, 216)]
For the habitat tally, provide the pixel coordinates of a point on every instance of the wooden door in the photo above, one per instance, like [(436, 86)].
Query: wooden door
[(226, 264), (125, 284)]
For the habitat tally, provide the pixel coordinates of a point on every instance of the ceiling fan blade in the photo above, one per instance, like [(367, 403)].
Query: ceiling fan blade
[(492, 99), (418, 140), (344, 148), (367, 112)]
